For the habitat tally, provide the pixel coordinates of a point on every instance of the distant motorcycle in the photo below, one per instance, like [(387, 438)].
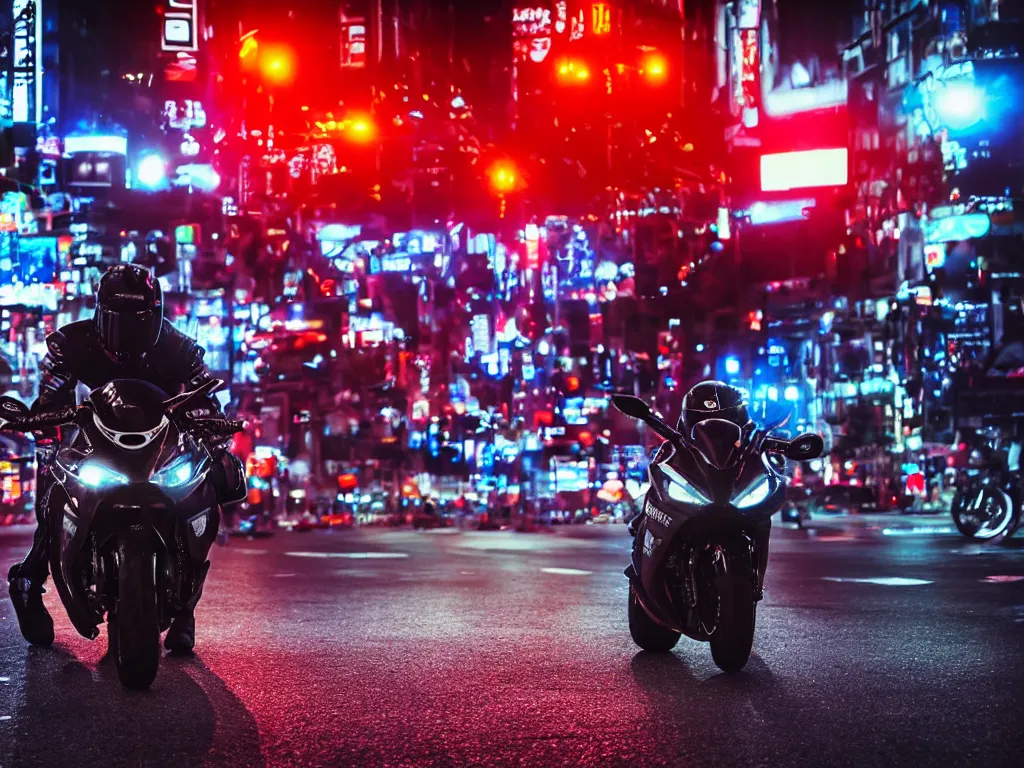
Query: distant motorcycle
[(700, 546), (132, 513), (987, 502)]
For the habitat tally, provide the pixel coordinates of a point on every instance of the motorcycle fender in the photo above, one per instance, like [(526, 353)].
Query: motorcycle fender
[(69, 533), (200, 519), (652, 546)]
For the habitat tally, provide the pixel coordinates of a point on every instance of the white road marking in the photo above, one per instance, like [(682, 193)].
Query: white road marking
[(885, 581), (918, 531), (6, 717), (566, 571), (250, 551), (283, 575), (5, 679), (1002, 579), (352, 555)]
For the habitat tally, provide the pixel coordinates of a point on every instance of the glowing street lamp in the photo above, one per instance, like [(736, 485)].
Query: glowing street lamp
[(151, 172), (360, 129), (504, 177), (277, 64), (655, 67)]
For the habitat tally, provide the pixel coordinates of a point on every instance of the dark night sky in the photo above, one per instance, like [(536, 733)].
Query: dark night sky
[(815, 26)]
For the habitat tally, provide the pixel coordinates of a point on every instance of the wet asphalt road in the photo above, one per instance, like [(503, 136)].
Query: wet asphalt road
[(512, 649)]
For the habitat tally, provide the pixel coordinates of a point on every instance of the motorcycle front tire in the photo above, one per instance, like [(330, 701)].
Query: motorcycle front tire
[(646, 632), (733, 638), (134, 624), (1003, 532)]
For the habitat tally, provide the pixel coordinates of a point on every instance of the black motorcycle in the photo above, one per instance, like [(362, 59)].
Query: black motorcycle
[(700, 546), (987, 502), (132, 513)]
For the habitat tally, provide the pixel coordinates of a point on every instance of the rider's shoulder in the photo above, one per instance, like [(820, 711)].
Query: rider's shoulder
[(173, 346)]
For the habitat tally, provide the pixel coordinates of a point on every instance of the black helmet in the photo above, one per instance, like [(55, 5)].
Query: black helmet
[(713, 400), (129, 311)]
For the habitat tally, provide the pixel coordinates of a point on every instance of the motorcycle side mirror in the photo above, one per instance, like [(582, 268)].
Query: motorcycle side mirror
[(632, 406), (805, 447)]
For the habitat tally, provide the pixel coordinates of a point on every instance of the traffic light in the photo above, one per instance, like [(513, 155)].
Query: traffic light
[(504, 177), (654, 67), (360, 128), (277, 64)]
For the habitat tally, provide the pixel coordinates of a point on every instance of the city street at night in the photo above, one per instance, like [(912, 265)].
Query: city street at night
[(554, 383), (878, 643)]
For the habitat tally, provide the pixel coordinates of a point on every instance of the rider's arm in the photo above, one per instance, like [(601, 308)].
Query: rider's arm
[(198, 374), (57, 376)]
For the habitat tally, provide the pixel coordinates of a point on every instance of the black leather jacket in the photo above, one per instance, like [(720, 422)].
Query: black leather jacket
[(74, 355)]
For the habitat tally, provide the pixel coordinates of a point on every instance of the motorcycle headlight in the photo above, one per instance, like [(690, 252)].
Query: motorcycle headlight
[(754, 495), (679, 489), (178, 473), (97, 476)]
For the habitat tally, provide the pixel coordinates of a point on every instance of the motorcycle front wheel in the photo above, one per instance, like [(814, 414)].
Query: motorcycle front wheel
[(984, 515), (646, 632), (134, 624), (733, 638)]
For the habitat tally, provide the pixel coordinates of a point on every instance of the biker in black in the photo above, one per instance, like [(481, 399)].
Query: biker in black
[(128, 337)]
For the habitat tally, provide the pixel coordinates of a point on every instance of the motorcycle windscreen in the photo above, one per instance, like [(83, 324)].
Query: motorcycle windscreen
[(720, 442)]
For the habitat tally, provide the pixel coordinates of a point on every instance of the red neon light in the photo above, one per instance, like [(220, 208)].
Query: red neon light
[(751, 64), (803, 170)]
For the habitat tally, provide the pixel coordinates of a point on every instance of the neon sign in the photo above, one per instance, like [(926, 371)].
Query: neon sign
[(27, 92), (184, 116), (181, 26), (957, 228), (784, 171), (531, 34), (601, 19), (749, 69), (779, 212)]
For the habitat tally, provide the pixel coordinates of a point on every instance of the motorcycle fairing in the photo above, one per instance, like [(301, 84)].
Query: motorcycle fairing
[(667, 523), (74, 511)]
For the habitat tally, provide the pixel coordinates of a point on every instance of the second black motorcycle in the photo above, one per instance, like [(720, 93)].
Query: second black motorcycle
[(700, 545)]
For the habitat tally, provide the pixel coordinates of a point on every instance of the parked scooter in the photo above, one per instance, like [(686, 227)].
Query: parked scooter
[(700, 545)]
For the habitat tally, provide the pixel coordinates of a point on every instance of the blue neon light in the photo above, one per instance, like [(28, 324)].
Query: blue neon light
[(956, 228)]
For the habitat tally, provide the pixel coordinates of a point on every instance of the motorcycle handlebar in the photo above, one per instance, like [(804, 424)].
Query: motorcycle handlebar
[(774, 445), (217, 426), (33, 422)]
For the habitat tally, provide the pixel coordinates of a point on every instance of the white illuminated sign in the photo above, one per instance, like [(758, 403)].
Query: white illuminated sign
[(186, 115), (181, 26), (26, 61), (114, 145), (784, 171)]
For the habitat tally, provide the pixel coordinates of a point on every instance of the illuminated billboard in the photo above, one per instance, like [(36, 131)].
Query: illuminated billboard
[(531, 33), (784, 171), (89, 169), (180, 30), (353, 43)]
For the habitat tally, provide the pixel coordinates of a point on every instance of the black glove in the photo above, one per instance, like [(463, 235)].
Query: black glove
[(15, 417)]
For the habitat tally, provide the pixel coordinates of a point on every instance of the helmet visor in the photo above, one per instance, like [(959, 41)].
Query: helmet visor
[(126, 334), (718, 441)]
